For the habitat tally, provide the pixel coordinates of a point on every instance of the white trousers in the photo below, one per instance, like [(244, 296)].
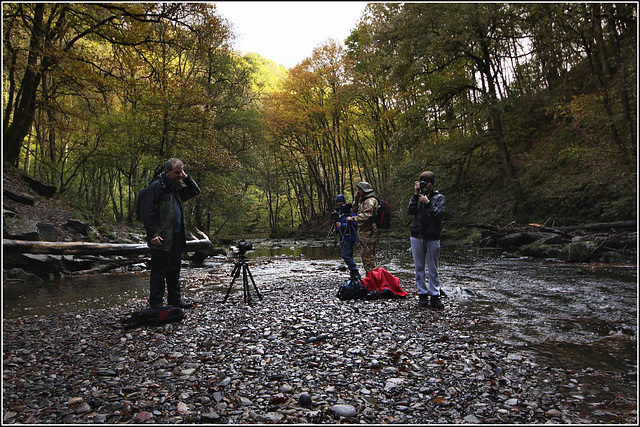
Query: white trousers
[(426, 252)]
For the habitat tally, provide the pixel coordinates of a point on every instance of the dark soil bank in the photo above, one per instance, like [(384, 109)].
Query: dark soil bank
[(299, 355)]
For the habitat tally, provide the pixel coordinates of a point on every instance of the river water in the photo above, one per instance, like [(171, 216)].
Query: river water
[(576, 317)]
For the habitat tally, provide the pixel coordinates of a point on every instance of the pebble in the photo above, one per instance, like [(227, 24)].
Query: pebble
[(342, 410), (304, 400), (370, 362)]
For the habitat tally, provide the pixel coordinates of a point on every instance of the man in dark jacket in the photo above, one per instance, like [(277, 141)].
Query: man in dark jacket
[(428, 208), (163, 218)]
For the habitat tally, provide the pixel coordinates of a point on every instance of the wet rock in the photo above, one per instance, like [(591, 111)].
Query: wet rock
[(576, 252), (547, 247), (19, 274), (38, 264)]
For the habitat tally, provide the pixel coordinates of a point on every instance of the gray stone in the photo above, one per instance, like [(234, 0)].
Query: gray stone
[(211, 417), (286, 388), (47, 232), (472, 419), (77, 226), (343, 410), (245, 402), (40, 265), (21, 229)]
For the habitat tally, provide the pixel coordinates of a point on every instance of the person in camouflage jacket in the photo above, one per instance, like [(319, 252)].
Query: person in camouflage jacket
[(365, 206)]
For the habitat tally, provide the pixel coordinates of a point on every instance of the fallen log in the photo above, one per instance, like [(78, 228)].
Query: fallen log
[(563, 233), (600, 226), (83, 248)]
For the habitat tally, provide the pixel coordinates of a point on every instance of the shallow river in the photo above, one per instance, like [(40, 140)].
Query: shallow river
[(572, 316)]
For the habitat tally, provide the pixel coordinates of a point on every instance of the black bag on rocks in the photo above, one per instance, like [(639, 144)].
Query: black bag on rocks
[(352, 289), (153, 316)]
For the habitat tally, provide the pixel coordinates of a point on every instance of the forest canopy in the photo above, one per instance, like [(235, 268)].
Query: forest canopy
[(525, 112)]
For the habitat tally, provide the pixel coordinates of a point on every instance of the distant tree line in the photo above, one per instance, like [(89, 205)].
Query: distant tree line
[(524, 111)]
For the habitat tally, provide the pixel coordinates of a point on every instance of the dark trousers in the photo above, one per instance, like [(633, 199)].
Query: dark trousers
[(165, 267), (347, 254)]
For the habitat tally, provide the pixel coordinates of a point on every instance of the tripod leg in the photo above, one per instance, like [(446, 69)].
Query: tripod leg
[(235, 273), (254, 283), (328, 234), (245, 284)]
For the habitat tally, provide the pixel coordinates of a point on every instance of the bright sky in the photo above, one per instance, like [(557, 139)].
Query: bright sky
[(287, 32)]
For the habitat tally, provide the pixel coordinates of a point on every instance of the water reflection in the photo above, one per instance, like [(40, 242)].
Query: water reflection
[(71, 294)]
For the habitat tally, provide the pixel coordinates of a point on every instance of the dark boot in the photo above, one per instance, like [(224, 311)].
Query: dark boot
[(423, 300), (436, 303), (355, 275)]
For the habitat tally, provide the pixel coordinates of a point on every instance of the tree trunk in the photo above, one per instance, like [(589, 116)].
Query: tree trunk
[(25, 108)]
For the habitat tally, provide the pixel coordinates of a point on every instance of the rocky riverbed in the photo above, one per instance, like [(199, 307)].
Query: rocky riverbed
[(299, 355)]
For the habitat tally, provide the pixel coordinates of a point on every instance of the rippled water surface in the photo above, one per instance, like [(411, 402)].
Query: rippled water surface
[(571, 315)]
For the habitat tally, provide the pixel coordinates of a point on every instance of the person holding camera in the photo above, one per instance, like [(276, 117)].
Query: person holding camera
[(348, 233), (365, 207), (427, 206), (163, 219)]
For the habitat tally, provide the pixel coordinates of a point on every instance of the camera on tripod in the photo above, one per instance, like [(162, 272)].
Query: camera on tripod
[(241, 268), (341, 211), (243, 247)]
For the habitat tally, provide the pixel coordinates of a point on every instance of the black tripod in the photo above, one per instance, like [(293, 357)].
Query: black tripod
[(241, 265)]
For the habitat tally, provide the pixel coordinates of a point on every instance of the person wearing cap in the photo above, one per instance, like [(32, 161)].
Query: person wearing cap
[(365, 206), (428, 207), (348, 234)]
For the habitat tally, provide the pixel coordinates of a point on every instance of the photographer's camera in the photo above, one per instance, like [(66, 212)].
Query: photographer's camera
[(243, 247), (424, 187)]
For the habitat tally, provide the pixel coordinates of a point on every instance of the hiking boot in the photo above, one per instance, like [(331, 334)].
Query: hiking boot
[(183, 304), (356, 276), (436, 303), (423, 300)]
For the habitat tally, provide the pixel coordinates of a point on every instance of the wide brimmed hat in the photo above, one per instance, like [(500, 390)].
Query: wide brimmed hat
[(365, 186)]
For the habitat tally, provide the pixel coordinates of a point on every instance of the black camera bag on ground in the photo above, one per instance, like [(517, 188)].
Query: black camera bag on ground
[(153, 316), (352, 289)]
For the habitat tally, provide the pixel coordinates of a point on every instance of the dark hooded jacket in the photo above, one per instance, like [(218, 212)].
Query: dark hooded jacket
[(158, 212), (427, 220)]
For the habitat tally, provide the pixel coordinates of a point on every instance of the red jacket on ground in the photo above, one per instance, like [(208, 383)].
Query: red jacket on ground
[(380, 280)]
